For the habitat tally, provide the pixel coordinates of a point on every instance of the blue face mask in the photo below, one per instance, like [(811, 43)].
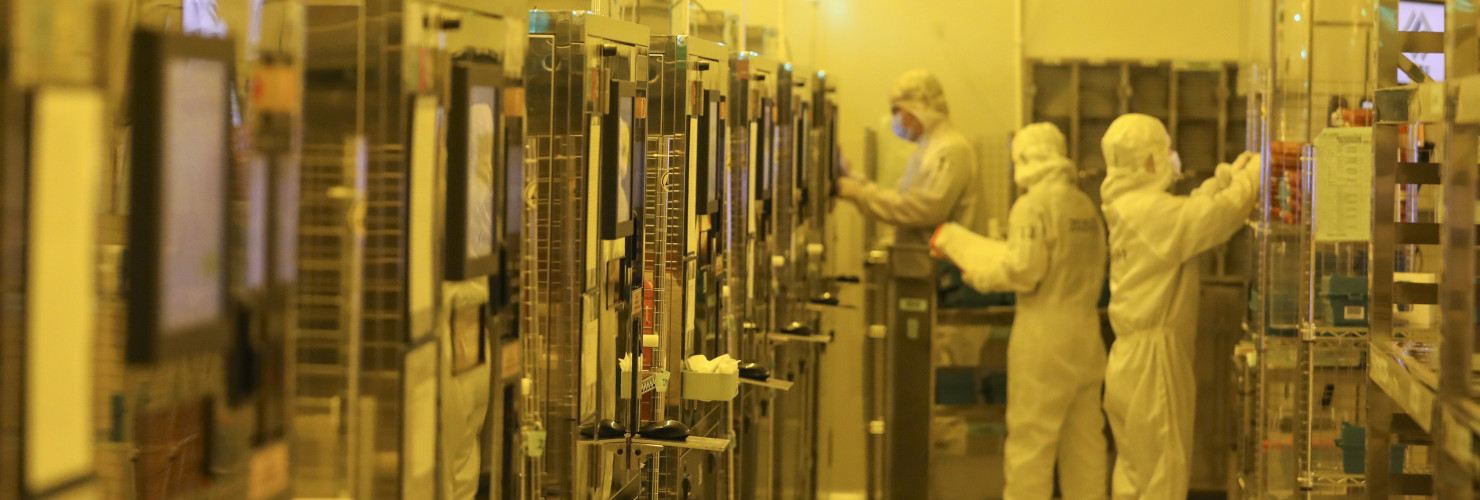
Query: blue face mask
[(903, 132)]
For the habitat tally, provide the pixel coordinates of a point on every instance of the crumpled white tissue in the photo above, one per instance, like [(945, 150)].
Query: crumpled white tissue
[(725, 364), (626, 362), (698, 363)]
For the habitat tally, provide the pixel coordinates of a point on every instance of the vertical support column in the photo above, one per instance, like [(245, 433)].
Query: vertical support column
[(678, 18), (1074, 118), (911, 303), (1380, 294), (1457, 283)]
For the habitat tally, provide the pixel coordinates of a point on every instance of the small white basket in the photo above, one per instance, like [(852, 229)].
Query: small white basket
[(710, 386)]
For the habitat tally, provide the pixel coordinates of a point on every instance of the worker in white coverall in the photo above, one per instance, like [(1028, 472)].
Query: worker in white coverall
[(1154, 237), (941, 183), (1054, 258), (468, 374)]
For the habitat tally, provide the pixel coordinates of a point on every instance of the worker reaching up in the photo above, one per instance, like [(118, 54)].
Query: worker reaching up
[(1150, 388)]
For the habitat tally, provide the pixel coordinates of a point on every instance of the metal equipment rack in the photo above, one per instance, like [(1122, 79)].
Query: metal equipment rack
[(754, 93), (1198, 101), (584, 271), (1421, 397), (679, 256), (798, 339), (333, 430), (1307, 318)]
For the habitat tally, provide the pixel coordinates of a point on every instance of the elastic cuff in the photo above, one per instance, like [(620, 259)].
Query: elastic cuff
[(934, 249)]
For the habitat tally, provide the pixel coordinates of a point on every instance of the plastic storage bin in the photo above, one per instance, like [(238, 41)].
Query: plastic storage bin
[(710, 386), (1345, 299), (1353, 444), (955, 386)]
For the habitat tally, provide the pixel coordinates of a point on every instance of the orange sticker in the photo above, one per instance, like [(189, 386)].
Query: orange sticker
[(509, 365), (514, 102)]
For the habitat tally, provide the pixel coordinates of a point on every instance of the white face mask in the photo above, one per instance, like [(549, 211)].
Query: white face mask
[(1177, 164), (903, 132)]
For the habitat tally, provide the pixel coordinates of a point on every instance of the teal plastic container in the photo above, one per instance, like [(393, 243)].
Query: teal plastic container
[(1353, 444), (1345, 299)]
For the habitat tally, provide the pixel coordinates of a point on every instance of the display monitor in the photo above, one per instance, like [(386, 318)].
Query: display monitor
[(287, 188), (178, 253), (511, 218), (625, 161), (621, 156), (254, 178), (473, 126), (801, 167), (710, 141), (763, 153), (716, 156)]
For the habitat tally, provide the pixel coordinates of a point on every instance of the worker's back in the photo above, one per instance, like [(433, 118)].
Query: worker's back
[(1076, 240), (1062, 307)]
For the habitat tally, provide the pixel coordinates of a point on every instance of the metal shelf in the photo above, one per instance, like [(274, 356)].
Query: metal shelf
[(1410, 383), (771, 383), (1336, 479), (1461, 446), (1340, 334)]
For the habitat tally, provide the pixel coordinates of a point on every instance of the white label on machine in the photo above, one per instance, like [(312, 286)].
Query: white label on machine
[(1343, 184), (423, 217), (1354, 312), (67, 136)]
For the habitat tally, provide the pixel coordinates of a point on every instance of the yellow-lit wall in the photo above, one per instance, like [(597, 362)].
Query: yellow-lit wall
[(973, 46), (1139, 29)]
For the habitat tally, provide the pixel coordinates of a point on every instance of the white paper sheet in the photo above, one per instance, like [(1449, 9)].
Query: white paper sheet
[(1343, 185)]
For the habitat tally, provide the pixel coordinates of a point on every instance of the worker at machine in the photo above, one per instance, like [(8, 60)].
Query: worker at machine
[(466, 396), (1054, 259), (941, 183), (1154, 237)]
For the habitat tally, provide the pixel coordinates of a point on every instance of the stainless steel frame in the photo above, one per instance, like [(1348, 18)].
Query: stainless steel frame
[(578, 317), (1414, 400), (754, 89), (680, 258)]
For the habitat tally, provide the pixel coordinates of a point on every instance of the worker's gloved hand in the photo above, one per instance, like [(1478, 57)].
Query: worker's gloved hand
[(1249, 165), (1246, 160), (1224, 174), (843, 169), (848, 188)]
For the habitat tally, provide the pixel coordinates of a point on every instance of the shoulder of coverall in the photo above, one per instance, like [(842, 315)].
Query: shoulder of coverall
[(1136, 210), (946, 142)]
